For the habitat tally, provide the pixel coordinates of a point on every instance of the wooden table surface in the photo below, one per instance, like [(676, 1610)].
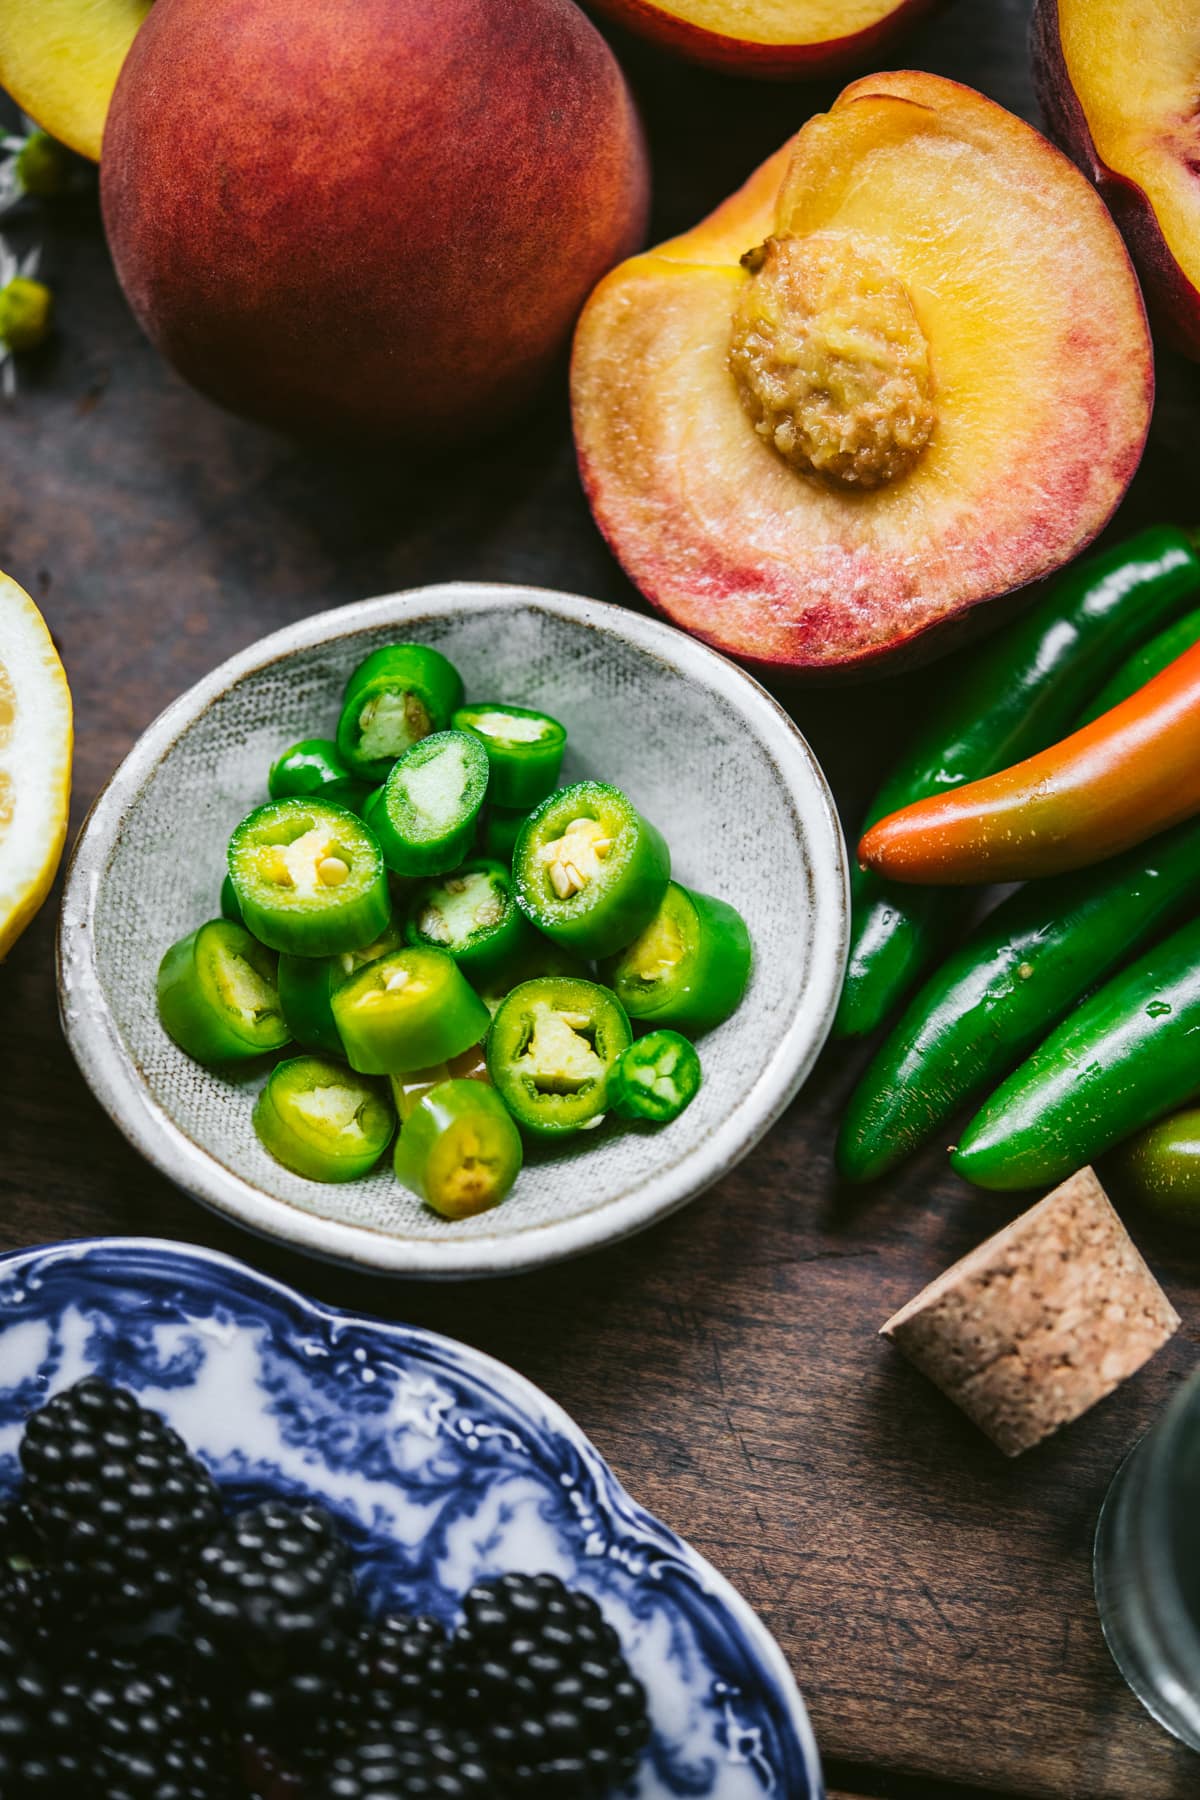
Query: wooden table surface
[(933, 1599)]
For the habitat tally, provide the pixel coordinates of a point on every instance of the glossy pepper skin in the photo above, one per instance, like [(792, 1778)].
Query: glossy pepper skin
[(1162, 1167), (217, 995), (459, 1149), (590, 871), (407, 1010), (309, 877), (656, 1079), (321, 1121), (1131, 773), (473, 914), (1126, 1055), (998, 995), (552, 1050), (1018, 693), (690, 967), (409, 1089), (426, 812), (229, 902), (316, 766), (525, 750), (1147, 661), (400, 694), (307, 983), (500, 831)]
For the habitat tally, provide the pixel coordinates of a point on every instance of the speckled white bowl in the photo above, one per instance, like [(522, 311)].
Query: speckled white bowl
[(703, 750)]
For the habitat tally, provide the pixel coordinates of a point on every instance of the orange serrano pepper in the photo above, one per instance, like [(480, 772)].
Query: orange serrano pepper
[(1127, 775)]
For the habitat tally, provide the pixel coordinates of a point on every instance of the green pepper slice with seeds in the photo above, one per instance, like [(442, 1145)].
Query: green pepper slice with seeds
[(309, 877), (459, 1149), (319, 1120), (407, 1010), (217, 995), (426, 811), (399, 695), (229, 902), (473, 914), (590, 871), (656, 1078), (306, 985), (690, 967), (525, 750), (316, 766), (551, 1052), (535, 957)]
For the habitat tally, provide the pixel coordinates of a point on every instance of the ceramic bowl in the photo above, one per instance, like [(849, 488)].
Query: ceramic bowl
[(702, 749), (443, 1466)]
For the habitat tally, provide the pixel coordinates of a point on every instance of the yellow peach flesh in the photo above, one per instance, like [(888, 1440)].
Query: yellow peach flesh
[(1134, 66), (780, 21), (1041, 372), (59, 59)]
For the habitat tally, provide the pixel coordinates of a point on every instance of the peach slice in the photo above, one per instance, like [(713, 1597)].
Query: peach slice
[(772, 38), (928, 383), (1117, 83), (59, 59)]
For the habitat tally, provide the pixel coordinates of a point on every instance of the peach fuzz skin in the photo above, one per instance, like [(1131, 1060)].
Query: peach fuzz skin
[(768, 55), (1170, 290), (1043, 377), (382, 220)]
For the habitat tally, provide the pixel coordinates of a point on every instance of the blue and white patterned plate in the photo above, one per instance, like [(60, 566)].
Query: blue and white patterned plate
[(443, 1465)]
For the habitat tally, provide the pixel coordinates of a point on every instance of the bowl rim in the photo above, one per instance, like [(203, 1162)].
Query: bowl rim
[(490, 1372), (118, 1084)]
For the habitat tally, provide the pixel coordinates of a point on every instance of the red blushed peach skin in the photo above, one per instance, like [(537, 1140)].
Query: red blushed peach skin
[(1117, 84), (1042, 381), (780, 39)]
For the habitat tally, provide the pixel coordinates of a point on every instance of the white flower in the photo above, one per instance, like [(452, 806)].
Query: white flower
[(12, 188)]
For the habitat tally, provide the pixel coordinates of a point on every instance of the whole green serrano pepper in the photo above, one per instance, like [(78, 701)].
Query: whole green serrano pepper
[(1128, 1054), (1145, 663), (1162, 1166), (1019, 694), (999, 994)]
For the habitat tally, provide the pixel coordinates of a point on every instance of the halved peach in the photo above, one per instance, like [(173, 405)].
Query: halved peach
[(59, 59), (773, 38), (903, 371), (1117, 80)]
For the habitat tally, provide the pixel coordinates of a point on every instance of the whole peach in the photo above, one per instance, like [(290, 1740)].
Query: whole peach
[(377, 218)]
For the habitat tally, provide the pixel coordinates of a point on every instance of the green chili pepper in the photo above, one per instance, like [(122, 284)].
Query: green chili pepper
[(319, 1120), (459, 1149), (501, 829), (409, 1089), (689, 968), (217, 995), (1145, 663), (306, 985), (551, 1052), (407, 1010), (1128, 1054), (474, 915), (655, 1079), (997, 996), (229, 902), (1018, 695), (525, 750), (316, 766), (426, 811), (590, 871), (309, 877), (1162, 1166), (533, 958), (399, 695)]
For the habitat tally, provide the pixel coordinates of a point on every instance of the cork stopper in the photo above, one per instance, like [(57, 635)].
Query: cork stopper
[(1041, 1321)]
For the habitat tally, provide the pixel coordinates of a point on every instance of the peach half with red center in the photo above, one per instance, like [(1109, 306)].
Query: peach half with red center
[(904, 371), (1119, 83), (772, 38)]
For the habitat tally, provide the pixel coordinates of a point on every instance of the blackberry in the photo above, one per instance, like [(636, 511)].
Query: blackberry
[(117, 1500), (408, 1757), (39, 1727), (150, 1733), (32, 1598), (272, 1611), (401, 1666), (543, 1682)]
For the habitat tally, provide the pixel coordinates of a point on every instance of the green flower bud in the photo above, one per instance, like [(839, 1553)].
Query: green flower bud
[(25, 308), (44, 166)]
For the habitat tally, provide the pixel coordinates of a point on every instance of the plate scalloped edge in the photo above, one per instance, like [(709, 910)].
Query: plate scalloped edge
[(443, 1464)]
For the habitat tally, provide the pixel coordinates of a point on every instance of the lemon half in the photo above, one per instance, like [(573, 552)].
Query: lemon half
[(36, 737)]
